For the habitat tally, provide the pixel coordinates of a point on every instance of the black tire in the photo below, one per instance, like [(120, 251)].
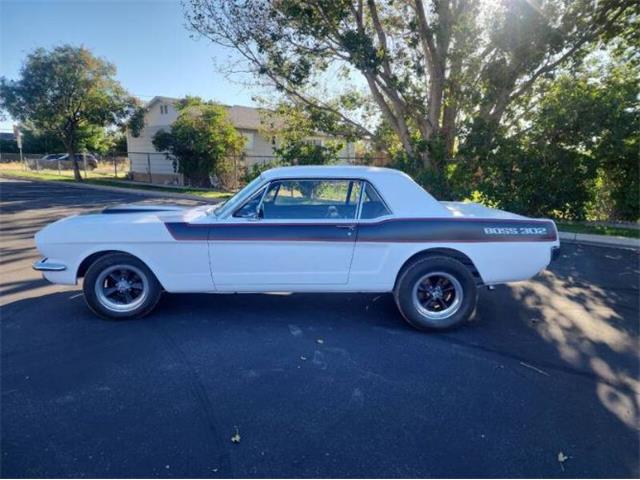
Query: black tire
[(103, 276), (418, 298)]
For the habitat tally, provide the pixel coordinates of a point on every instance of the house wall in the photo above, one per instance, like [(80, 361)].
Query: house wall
[(261, 151), (145, 165), (157, 168), (155, 115)]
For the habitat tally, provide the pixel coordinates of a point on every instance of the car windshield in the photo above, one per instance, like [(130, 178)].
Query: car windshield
[(235, 201)]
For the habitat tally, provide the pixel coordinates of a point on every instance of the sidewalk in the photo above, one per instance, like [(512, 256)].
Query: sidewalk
[(146, 190), (602, 240)]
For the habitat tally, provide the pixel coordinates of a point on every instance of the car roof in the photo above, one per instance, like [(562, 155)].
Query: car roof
[(329, 171), (404, 196)]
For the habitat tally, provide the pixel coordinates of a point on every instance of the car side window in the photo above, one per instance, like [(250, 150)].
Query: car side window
[(312, 199), (372, 205), (250, 207)]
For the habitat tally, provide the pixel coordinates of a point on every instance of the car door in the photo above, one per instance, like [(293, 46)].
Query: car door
[(293, 232)]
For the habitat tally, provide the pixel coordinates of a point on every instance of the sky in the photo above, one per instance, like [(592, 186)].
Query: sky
[(146, 40)]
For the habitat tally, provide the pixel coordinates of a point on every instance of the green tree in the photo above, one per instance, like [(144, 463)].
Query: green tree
[(90, 139), (429, 66), (292, 129), (67, 92), (202, 140), (575, 153)]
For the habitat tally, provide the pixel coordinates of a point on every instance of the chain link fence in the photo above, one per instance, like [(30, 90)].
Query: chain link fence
[(149, 167), (116, 166)]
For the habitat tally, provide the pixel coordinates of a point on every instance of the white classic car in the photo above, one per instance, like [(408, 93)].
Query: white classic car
[(301, 229)]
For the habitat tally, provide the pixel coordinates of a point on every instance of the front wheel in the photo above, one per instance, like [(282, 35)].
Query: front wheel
[(436, 292), (120, 286)]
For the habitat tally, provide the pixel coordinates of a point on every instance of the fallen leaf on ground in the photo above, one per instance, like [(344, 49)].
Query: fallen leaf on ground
[(236, 437), (320, 341), (302, 357), (562, 458)]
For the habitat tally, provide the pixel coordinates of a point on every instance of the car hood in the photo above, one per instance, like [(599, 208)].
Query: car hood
[(121, 223)]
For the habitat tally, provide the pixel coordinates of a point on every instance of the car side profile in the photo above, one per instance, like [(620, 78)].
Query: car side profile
[(301, 229)]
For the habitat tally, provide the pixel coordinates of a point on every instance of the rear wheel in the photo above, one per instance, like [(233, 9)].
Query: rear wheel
[(436, 292), (120, 286)]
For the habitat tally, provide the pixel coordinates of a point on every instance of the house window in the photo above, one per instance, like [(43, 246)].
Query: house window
[(249, 139), (164, 109)]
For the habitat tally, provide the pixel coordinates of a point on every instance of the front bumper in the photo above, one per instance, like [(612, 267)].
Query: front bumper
[(44, 265)]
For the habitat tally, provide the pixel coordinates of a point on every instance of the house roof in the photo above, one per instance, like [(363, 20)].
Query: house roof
[(241, 116)]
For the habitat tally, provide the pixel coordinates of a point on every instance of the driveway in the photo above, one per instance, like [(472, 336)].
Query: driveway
[(315, 385)]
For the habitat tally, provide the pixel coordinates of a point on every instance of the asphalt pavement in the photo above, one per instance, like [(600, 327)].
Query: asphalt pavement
[(314, 385)]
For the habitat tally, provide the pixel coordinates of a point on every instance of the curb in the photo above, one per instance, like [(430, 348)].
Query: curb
[(600, 240), (109, 188)]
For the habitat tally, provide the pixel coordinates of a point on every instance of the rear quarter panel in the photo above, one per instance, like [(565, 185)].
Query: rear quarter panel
[(501, 250)]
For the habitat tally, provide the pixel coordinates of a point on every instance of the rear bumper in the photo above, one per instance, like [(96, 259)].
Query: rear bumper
[(44, 265)]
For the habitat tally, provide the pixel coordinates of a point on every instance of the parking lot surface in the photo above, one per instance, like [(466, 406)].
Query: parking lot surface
[(315, 385)]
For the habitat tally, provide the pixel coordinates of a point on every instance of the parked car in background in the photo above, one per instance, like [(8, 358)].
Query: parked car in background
[(301, 229), (49, 161), (91, 161), (50, 158), (61, 160)]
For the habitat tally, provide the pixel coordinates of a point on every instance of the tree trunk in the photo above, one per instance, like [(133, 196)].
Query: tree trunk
[(69, 140), (76, 168), (435, 98), (449, 126)]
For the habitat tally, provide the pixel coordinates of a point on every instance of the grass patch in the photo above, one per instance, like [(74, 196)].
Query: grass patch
[(100, 178), (598, 230)]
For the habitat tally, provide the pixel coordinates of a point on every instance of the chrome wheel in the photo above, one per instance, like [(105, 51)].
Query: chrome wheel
[(121, 288), (437, 295)]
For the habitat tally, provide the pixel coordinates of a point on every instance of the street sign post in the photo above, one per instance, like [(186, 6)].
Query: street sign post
[(18, 134)]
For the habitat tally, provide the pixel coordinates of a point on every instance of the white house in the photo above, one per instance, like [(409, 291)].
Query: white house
[(147, 164)]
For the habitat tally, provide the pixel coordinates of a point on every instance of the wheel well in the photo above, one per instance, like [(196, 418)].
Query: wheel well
[(86, 263), (445, 252)]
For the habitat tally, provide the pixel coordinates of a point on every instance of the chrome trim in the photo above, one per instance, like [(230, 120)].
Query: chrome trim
[(363, 185), (43, 265)]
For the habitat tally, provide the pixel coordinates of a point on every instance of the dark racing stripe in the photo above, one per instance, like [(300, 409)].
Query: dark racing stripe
[(140, 209), (419, 230), (268, 232), (457, 230), (133, 210)]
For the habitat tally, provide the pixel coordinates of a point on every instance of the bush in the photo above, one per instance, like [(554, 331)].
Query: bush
[(256, 170), (203, 140)]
